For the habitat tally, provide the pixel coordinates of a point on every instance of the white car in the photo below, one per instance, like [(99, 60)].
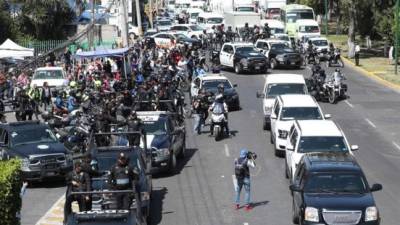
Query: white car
[(163, 25), (308, 136), (322, 46), (288, 108), (193, 14), (279, 84), (307, 28), (190, 30), (207, 20), (54, 76)]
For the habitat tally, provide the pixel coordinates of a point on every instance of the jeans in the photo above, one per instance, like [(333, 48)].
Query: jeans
[(240, 183), (197, 123)]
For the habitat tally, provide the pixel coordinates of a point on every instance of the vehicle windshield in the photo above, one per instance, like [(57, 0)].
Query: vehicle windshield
[(48, 74), (245, 9), (320, 43), (279, 46), (336, 183), (212, 85), (277, 31), (32, 136), (308, 29), (283, 38), (245, 49), (194, 15), (164, 23), (215, 20), (300, 113), (196, 28), (293, 16), (322, 144), (282, 89), (158, 127), (180, 36), (106, 161)]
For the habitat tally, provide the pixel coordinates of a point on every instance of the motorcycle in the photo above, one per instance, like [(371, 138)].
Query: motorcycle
[(335, 59), (218, 123), (311, 57), (331, 89)]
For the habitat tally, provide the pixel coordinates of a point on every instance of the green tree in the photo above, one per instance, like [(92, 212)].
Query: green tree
[(45, 19), (6, 23)]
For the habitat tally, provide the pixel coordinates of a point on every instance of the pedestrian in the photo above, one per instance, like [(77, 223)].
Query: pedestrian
[(357, 54), (391, 54), (196, 105), (46, 95), (242, 173)]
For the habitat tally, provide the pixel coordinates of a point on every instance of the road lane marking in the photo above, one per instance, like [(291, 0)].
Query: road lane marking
[(50, 215), (370, 122), (227, 150), (396, 145), (349, 104), (245, 223), (234, 180)]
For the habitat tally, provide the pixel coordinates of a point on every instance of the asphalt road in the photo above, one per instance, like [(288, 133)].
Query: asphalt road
[(202, 191)]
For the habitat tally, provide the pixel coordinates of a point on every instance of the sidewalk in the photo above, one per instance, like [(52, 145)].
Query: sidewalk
[(371, 65)]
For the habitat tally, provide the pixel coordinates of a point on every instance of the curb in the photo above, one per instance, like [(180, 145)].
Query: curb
[(377, 78)]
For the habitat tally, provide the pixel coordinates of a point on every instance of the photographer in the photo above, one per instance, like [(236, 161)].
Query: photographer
[(242, 173)]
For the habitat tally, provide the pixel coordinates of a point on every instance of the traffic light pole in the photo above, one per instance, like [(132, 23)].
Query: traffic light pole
[(396, 41)]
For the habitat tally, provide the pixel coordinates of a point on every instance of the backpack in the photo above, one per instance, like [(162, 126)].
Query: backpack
[(240, 170)]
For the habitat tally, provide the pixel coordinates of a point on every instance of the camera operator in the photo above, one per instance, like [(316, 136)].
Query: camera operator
[(242, 173)]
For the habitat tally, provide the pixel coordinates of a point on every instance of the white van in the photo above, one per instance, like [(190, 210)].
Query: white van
[(207, 20), (193, 14), (276, 26), (307, 28)]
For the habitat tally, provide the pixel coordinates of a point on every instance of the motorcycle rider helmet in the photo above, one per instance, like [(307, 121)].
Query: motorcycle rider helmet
[(221, 87), (266, 24), (72, 84)]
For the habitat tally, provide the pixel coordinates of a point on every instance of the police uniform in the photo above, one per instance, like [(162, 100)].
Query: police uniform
[(122, 178)]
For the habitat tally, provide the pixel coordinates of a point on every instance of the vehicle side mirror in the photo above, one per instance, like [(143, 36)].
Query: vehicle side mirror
[(354, 147), (376, 187), (295, 188), (273, 117), (260, 95), (235, 85), (290, 148), (328, 116)]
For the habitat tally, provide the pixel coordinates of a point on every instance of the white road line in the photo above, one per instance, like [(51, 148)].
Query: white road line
[(48, 213), (245, 223), (349, 104), (396, 145), (227, 150), (234, 182), (370, 123)]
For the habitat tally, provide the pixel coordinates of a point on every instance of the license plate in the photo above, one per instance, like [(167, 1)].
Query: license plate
[(52, 173), (257, 67)]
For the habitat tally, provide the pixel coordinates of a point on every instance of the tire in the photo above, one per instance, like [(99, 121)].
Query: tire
[(295, 217), (271, 138), (332, 96), (217, 133), (172, 164), (277, 152), (286, 171), (273, 64), (238, 68), (340, 62), (265, 125)]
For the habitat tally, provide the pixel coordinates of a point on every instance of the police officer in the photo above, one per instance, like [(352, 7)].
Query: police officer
[(123, 177), (134, 124), (266, 31), (77, 181)]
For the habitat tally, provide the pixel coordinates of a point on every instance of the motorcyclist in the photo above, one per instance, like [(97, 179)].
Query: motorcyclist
[(219, 106), (72, 101), (315, 69), (266, 31)]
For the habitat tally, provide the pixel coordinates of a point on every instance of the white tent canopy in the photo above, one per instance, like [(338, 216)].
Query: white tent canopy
[(10, 49)]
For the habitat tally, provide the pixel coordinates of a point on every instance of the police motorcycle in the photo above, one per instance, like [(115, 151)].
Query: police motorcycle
[(311, 57), (331, 88), (218, 120), (181, 78), (335, 59)]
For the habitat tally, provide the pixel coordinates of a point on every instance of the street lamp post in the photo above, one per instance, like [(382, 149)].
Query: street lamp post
[(396, 41), (326, 17)]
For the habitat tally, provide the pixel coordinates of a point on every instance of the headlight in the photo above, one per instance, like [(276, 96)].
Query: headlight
[(311, 214), (371, 213), (244, 62), (279, 57), (163, 152), (282, 134), (25, 164)]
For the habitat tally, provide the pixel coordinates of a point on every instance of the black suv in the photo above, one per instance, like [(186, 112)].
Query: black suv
[(42, 155), (166, 138), (331, 188)]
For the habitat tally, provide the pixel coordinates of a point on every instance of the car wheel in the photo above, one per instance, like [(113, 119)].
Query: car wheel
[(286, 171), (172, 163), (271, 138), (238, 68), (295, 217), (273, 64), (277, 152), (265, 125)]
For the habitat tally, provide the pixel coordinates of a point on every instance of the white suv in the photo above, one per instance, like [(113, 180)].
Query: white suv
[(288, 108), (279, 84), (308, 136), (190, 30)]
